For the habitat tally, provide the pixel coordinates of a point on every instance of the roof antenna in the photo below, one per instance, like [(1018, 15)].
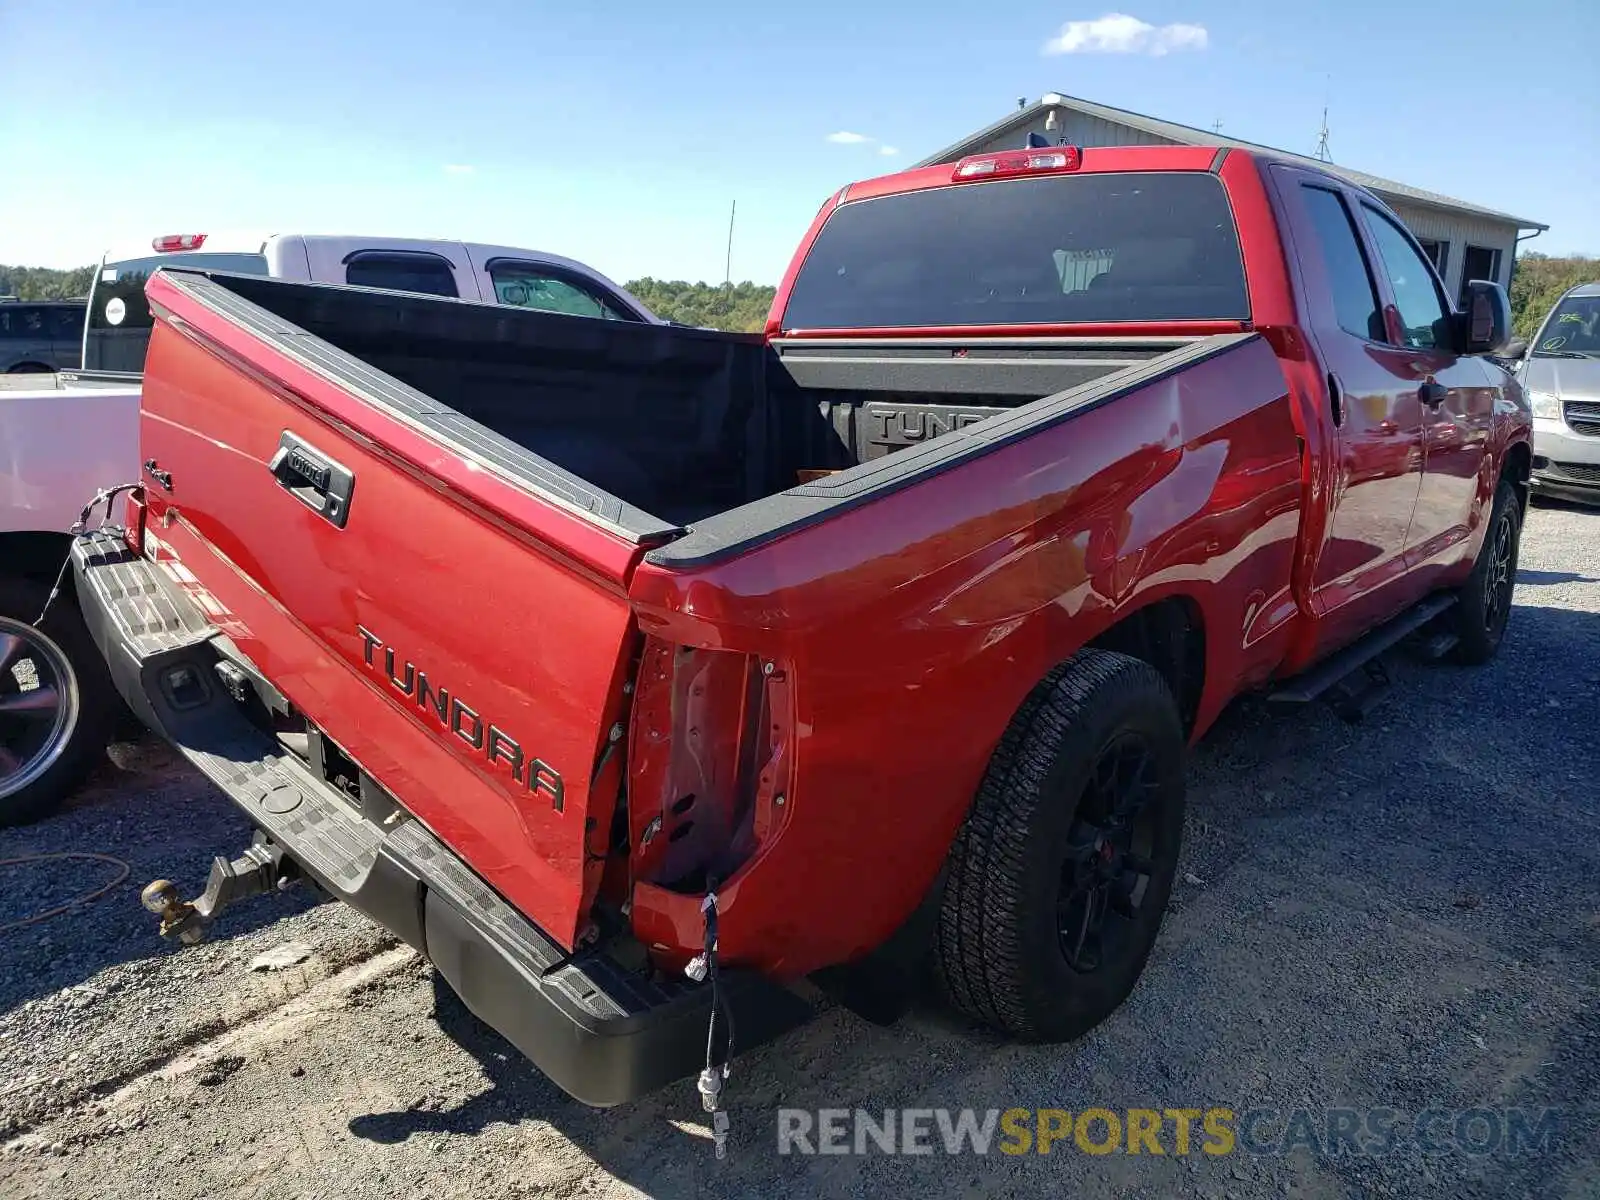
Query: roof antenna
[(1323, 154), (1022, 102), (1216, 126)]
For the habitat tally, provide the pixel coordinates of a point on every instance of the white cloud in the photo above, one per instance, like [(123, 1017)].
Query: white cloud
[(458, 169), (1118, 33), (845, 138), (888, 151)]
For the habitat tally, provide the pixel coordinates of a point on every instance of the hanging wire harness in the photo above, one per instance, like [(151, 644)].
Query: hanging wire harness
[(704, 967)]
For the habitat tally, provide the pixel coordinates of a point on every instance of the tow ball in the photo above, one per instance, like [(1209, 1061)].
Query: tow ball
[(262, 868)]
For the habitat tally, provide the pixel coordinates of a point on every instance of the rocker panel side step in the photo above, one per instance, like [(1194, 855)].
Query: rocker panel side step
[(1311, 684)]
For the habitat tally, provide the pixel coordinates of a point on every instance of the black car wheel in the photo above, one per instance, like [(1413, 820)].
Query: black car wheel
[(1060, 876), (1483, 605), (57, 705)]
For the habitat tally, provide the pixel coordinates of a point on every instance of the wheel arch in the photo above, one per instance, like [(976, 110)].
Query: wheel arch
[(1170, 635), (1517, 469)]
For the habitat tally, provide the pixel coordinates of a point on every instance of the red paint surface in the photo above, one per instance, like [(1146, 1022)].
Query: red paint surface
[(531, 630), (902, 635)]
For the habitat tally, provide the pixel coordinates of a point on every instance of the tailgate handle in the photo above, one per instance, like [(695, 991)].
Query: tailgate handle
[(313, 478)]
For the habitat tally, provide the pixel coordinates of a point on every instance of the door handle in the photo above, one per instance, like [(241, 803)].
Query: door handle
[(311, 477), (1433, 393)]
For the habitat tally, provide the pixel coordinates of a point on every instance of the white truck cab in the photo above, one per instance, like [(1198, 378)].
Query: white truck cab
[(118, 325), (61, 443)]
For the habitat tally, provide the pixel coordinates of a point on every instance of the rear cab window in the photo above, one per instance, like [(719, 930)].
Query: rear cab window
[(1056, 249), (119, 321)]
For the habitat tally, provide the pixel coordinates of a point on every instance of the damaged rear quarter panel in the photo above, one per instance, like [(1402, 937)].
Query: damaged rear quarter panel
[(913, 627)]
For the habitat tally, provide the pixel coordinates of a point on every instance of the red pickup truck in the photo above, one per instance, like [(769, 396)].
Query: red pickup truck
[(637, 673)]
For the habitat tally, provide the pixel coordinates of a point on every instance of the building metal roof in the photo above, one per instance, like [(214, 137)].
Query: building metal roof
[(1188, 135)]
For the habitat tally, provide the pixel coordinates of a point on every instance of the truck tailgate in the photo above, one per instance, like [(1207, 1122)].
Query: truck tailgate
[(471, 667)]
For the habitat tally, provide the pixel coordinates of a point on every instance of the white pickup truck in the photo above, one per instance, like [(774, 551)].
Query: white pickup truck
[(61, 443)]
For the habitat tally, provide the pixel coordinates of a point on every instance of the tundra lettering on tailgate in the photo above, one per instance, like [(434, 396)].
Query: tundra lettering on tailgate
[(463, 720)]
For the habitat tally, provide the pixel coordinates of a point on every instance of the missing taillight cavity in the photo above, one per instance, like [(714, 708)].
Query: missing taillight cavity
[(700, 762)]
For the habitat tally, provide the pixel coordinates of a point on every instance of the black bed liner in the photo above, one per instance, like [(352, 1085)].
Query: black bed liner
[(724, 413), (723, 535)]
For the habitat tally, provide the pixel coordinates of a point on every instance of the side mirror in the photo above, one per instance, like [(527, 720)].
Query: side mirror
[(1485, 323), (1516, 348)]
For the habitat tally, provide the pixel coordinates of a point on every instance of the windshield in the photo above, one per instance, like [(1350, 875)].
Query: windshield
[(119, 318), (1057, 249), (1572, 330)]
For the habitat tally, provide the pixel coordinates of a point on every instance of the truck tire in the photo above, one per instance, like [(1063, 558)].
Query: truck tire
[(1483, 605), (1060, 876), (57, 704)]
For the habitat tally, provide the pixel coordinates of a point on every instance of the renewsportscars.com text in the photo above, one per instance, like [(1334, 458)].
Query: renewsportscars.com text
[(1215, 1131)]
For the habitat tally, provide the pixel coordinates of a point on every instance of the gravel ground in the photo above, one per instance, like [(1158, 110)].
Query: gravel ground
[(1401, 914)]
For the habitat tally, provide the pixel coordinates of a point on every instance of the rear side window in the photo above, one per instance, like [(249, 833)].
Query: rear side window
[(401, 272), (1056, 249), (1355, 299), (119, 317), (525, 285), (19, 321)]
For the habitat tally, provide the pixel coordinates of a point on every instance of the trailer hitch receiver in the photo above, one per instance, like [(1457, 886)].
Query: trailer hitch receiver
[(262, 868)]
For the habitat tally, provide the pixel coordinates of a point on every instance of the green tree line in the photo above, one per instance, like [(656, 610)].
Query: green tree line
[(45, 283), (742, 307), (737, 307)]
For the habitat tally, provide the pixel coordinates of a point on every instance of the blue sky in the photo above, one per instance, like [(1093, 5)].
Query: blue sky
[(619, 132)]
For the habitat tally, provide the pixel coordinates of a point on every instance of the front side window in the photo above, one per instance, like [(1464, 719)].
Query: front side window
[(527, 286), (1422, 310), (66, 322), (401, 272)]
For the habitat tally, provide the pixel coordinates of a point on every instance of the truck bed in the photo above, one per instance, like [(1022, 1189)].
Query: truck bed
[(708, 441), (443, 531)]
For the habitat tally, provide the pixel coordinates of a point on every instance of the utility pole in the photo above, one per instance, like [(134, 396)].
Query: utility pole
[(727, 264)]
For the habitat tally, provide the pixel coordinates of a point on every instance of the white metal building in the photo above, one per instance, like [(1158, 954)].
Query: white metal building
[(1465, 241)]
